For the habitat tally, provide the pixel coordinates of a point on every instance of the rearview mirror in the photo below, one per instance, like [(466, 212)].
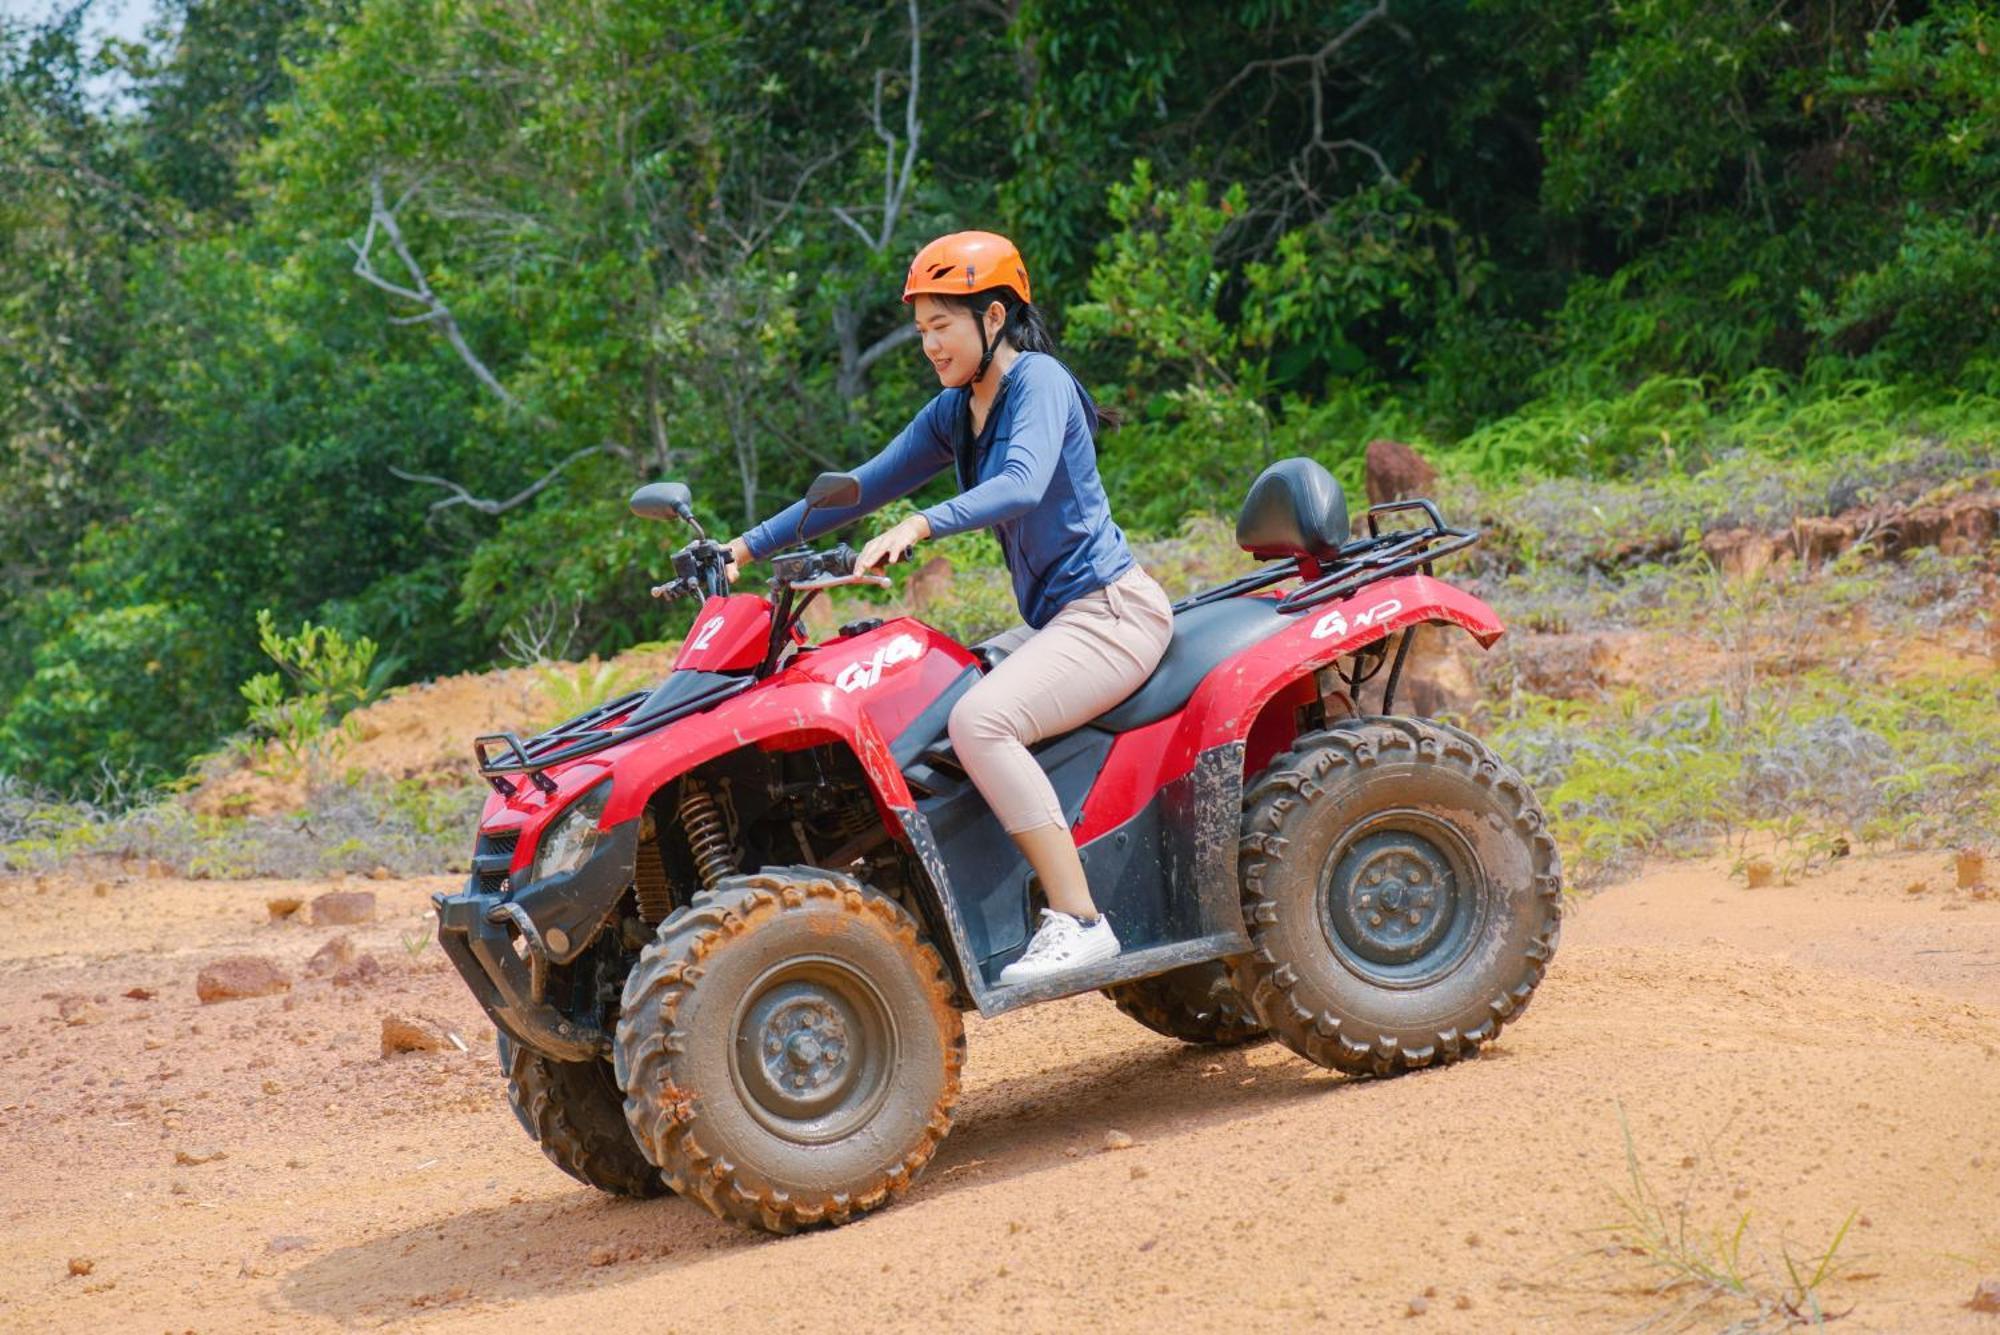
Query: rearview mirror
[(829, 490), (663, 500), (833, 490)]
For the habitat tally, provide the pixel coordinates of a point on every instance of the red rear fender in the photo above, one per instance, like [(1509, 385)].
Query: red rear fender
[(1248, 699), (1225, 707)]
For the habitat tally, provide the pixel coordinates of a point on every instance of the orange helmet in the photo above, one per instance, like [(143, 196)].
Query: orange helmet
[(966, 262)]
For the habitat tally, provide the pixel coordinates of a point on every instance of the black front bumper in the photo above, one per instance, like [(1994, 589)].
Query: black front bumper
[(505, 942)]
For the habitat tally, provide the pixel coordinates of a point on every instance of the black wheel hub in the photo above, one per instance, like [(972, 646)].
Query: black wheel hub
[(1399, 898), (813, 1049)]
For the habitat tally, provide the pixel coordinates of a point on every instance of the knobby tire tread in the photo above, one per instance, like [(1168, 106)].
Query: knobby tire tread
[(668, 1121), (1286, 793), (577, 1118)]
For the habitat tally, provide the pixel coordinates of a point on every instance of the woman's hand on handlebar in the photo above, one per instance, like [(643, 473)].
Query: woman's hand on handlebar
[(892, 544), (739, 556)]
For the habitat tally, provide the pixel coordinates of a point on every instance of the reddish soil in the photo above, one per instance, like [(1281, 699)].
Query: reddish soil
[(1800, 1053)]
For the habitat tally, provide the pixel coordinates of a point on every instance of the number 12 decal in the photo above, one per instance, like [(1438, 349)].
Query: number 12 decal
[(707, 632)]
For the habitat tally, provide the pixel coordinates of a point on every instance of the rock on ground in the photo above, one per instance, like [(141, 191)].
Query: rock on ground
[(1395, 472), (414, 1033), (362, 972), (335, 955), (237, 976), (344, 908)]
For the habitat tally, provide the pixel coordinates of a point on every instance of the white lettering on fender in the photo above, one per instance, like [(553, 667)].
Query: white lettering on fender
[(865, 672), (1334, 624)]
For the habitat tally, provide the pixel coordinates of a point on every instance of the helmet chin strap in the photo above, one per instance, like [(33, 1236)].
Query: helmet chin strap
[(986, 348)]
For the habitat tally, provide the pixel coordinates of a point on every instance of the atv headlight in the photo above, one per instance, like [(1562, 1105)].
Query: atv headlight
[(568, 843)]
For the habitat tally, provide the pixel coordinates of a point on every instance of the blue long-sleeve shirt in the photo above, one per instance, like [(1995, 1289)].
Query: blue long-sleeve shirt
[(1031, 475)]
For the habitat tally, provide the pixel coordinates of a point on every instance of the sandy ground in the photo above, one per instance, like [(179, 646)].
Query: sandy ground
[(1800, 1053)]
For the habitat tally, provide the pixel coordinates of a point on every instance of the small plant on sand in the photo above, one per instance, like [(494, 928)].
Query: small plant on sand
[(1720, 1263), (301, 712)]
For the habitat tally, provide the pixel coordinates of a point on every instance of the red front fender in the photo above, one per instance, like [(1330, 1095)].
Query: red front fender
[(792, 707)]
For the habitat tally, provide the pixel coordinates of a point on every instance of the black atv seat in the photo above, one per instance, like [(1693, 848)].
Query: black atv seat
[(1203, 637)]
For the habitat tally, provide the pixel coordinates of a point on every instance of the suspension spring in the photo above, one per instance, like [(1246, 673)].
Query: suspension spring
[(708, 837), (649, 884), (856, 816)]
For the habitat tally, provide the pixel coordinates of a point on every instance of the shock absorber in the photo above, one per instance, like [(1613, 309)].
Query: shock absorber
[(855, 817), (708, 837), (649, 876)]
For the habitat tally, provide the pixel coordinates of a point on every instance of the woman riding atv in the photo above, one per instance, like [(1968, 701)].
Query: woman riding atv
[(1021, 432)]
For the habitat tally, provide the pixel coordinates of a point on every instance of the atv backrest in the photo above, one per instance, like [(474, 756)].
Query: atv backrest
[(1295, 509)]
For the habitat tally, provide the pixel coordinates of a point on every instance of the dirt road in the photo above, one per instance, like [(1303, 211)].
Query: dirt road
[(1803, 1054)]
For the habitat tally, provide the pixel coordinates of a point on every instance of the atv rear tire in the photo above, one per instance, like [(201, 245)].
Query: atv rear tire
[(789, 1050), (1194, 1003), (576, 1113), (1401, 892)]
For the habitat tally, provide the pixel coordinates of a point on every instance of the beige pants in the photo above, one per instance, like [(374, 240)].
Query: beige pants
[(1097, 650)]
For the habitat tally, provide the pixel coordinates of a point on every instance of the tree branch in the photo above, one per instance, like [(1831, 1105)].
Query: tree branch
[(896, 185), (460, 496), (1316, 59), (383, 218), (883, 346)]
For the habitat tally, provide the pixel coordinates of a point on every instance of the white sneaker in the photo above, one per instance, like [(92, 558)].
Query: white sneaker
[(1061, 944)]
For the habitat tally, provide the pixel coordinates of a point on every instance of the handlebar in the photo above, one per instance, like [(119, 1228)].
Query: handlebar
[(700, 564), (835, 581)]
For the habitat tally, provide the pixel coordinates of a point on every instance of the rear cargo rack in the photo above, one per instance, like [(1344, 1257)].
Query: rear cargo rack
[(1381, 555), (1358, 564)]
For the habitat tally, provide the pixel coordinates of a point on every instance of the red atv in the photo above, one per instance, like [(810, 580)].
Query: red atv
[(726, 927)]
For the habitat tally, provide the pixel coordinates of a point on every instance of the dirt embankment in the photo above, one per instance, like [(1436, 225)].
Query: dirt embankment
[(1801, 1054), (424, 731)]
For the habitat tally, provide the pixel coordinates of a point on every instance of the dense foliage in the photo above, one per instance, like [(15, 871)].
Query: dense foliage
[(371, 312)]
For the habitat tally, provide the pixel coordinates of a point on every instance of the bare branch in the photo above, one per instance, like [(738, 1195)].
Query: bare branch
[(1316, 59), (854, 360), (896, 183), (383, 217), (883, 346), (538, 635), (860, 231), (1388, 177), (460, 496)]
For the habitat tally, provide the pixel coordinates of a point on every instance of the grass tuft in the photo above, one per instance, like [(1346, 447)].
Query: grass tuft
[(1720, 1262)]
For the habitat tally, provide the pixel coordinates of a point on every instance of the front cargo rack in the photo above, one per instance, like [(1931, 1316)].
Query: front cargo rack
[(586, 734)]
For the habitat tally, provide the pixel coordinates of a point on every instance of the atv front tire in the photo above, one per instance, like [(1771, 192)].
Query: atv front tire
[(1194, 1003), (576, 1113), (789, 1050), (1401, 893)]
